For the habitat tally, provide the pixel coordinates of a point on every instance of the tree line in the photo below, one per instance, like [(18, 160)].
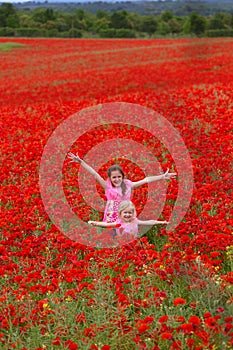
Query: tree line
[(142, 7), (46, 22)]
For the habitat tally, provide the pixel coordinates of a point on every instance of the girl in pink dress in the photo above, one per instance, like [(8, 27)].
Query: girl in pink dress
[(127, 222), (116, 187), (115, 195)]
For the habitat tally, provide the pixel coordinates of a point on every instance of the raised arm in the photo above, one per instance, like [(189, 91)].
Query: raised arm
[(151, 222), (77, 159), (149, 179), (102, 224)]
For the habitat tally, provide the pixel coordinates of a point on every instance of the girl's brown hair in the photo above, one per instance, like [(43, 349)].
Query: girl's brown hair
[(116, 167)]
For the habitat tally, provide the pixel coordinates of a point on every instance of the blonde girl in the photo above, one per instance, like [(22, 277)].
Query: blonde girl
[(127, 222)]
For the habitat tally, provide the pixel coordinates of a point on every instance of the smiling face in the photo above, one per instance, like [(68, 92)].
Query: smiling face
[(127, 214), (116, 178)]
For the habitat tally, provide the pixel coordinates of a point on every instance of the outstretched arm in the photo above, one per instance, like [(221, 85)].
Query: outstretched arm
[(77, 159), (149, 179), (102, 223), (151, 222)]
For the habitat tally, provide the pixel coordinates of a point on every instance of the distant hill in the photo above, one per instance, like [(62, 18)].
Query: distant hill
[(178, 7)]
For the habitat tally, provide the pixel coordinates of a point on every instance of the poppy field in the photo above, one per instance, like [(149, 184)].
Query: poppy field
[(166, 290)]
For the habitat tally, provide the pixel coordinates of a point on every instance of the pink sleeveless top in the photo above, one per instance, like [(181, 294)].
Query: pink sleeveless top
[(130, 228), (114, 198)]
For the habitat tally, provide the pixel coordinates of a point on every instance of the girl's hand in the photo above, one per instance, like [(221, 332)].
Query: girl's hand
[(74, 158), (92, 223), (168, 176)]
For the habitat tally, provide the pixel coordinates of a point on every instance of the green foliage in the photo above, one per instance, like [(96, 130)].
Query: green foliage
[(112, 304), (197, 24), (166, 15), (42, 15), (125, 33), (163, 28), (214, 33), (107, 33), (174, 26), (8, 16), (26, 21), (46, 22), (75, 33), (217, 21), (101, 25), (31, 32), (6, 31), (149, 24), (119, 20), (117, 33)]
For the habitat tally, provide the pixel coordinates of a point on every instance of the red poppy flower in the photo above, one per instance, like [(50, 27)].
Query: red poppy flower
[(179, 301), (167, 336)]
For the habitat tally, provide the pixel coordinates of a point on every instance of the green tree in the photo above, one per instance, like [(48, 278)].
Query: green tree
[(82, 20), (175, 26), (186, 28), (149, 24), (12, 21), (163, 28), (195, 24), (120, 20), (42, 15), (26, 21), (49, 25), (135, 21), (217, 21), (101, 24), (79, 14), (90, 22), (8, 16), (166, 15), (108, 33), (62, 22), (74, 33), (102, 14), (125, 33)]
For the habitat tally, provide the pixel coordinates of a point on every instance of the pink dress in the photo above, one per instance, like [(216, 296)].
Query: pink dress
[(114, 198), (130, 228)]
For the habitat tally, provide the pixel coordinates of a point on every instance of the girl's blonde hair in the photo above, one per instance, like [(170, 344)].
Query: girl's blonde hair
[(124, 205)]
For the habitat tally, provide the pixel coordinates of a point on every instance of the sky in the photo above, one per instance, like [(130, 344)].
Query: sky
[(22, 1)]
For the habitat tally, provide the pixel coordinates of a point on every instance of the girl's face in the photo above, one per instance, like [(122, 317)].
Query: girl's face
[(116, 178), (127, 214)]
